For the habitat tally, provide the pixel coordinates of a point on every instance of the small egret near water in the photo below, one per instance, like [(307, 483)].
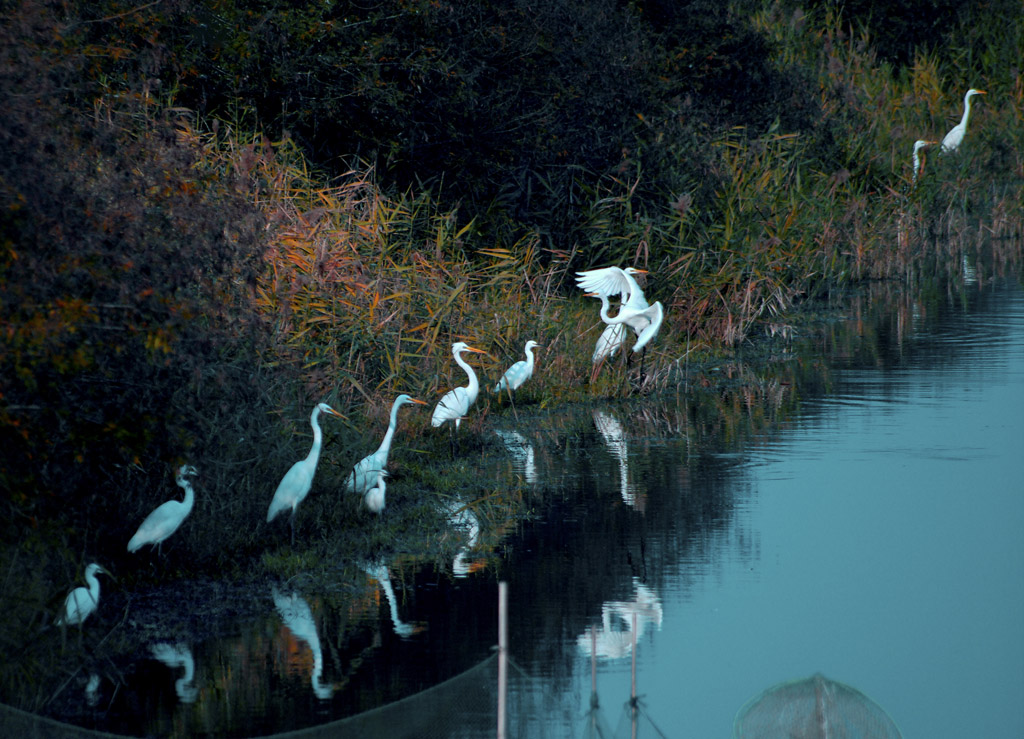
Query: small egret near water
[(81, 602), (295, 485), (167, 517), (374, 497), (919, 145), (519, 372), (456, 403), (364, 474), (952, 140)]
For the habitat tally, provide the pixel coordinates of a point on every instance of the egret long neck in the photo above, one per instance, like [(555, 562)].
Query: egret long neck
[(94, 587), (967, 111), (529, 357), (190, 495), (314, 452), (385, 445), (474, 387)]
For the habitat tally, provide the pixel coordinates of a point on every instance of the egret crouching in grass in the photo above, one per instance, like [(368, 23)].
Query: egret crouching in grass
[(456, 403), (374, 497), (364, 474), (952, 140), (295, 485), (166, 519), (81, 602), (919, 147)]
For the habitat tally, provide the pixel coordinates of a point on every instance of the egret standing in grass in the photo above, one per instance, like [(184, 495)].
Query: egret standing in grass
[(364, 474), (456, 403), (374, 498), (635, 311), (81, 602), (952, 140), (295, 485), (611, 338), (165, 520), (919, 147), (519, 372)]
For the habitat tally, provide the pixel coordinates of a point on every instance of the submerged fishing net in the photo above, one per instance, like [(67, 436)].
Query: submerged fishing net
[(814, 708)]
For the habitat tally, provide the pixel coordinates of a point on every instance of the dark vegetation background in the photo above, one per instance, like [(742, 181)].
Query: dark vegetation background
[(140, 143)]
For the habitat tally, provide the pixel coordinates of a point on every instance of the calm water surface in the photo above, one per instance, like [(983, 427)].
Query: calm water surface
[(876, 535)]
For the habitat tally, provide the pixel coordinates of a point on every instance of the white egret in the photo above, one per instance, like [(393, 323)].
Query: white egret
[(455, 403), (645, 319), (81, 602), (519, 372), (295, 485), (364, 474), (919, 156), (952, 140), (611, 338), (374, 497), (167, 517)]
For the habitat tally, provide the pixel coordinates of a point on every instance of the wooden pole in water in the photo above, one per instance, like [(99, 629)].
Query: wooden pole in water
[(632, 698), (502, 654)]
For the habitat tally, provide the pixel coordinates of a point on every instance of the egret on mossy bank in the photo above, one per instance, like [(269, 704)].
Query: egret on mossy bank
[(519, 372), (167, 517), (456, 403), (295, 485), (952, 140), (364, 474)]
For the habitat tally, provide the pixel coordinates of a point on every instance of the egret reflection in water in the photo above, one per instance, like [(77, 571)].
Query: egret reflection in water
[(297, 616), (92, 690), (815, 708), (462, 517), (175, 656), (615, 439), (379, 572), (615, 638), (521, 451)]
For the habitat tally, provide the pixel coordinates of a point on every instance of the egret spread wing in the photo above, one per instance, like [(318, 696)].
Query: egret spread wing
[(606, 281)]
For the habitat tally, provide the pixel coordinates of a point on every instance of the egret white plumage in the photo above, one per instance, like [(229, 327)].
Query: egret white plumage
[(374, 497), (919, 145), (81, 602), (952, 140), (519, 372), (611, 338), (295, 485), (364, 474), (167, 517), (635, 311), (456, 403)]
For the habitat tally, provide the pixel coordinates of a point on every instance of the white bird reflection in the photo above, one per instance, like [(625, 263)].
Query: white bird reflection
[(92, 690), (615, 638), (521, 451), (461, 516), (298, 617), (379, 572), (175, 656), (614, 436)]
